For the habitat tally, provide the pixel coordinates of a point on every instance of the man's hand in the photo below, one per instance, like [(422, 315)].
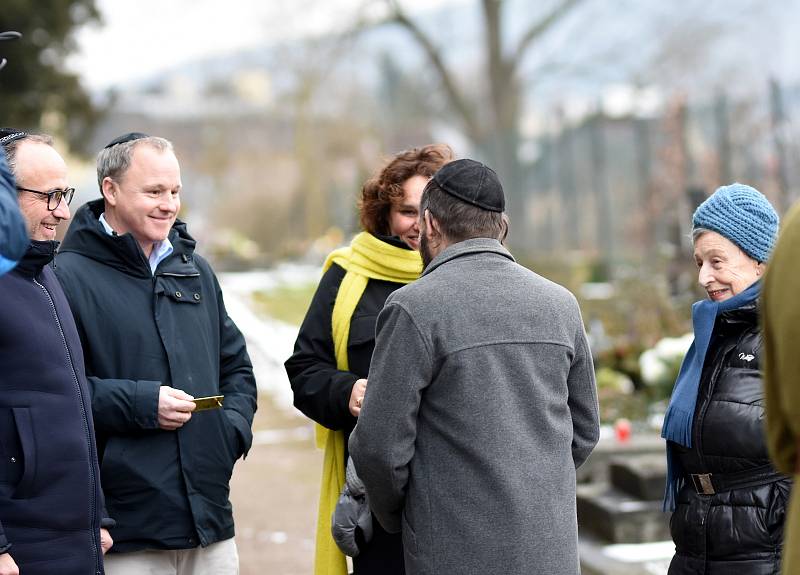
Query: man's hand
[(106, 542), (357, 396), (174, 408), (7, 565)]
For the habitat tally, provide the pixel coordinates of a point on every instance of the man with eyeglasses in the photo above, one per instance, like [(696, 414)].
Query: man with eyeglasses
[(51, 511), (156, 336)]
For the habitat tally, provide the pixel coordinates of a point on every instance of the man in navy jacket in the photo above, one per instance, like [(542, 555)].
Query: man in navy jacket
[(155, 336), (50, 499)]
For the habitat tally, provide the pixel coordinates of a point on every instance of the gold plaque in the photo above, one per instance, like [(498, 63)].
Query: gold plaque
[(211, 402)]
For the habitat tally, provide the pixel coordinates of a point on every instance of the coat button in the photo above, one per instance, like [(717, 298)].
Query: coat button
[(178, 294), (197, 297), (13, 460)]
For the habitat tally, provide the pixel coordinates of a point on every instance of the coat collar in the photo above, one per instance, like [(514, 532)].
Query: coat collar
[(87, 236), (748, 313), (39, 254), (468, 247)]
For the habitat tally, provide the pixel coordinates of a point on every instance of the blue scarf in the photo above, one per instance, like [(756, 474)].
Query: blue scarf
[(680, 414)]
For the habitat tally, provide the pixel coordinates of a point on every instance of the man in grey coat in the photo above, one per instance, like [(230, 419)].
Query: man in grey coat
[(481, 400)]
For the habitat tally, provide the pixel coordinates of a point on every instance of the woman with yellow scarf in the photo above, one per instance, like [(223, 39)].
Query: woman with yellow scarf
[(330, 363)]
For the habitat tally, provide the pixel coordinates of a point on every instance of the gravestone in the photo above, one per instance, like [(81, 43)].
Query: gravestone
[(628, 509)]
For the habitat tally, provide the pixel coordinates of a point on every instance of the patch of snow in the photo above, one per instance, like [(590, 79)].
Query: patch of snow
[(269, 342), (640, 552)]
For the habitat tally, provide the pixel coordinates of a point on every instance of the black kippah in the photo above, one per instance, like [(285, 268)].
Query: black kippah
[(472, 182), (129, 137), (8, 135)]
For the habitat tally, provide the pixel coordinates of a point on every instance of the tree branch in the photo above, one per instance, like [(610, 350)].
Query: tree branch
[(540, 27), (399, 16)]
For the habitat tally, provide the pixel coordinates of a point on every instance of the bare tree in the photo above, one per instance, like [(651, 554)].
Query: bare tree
[(497, 134)]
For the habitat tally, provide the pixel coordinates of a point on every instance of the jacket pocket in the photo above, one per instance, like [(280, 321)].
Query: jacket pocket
[(231, 435), (362, 329), (361, 342), (182, 289), (776, 510), (23, 425)]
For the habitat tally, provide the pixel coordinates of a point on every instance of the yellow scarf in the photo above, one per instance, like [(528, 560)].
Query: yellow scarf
[(365, 258)]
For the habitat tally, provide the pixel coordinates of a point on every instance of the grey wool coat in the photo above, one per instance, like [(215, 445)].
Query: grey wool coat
[(481, 403)]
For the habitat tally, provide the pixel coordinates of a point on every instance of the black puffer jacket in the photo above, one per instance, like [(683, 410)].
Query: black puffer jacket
[(735, 531)]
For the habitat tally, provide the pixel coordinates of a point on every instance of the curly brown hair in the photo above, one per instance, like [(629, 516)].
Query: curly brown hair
[(384, 190)]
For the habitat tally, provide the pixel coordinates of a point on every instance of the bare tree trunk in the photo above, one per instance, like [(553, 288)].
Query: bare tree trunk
[(502, 137), (778, 127), (496, 135), (723, 139), (605, 223)]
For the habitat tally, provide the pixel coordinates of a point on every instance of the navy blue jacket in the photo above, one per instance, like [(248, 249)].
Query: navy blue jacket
[(50, 501), (165, 489), (13, 235)]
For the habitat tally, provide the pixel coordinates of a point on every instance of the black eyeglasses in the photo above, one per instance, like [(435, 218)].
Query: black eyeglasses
[(54, 197)]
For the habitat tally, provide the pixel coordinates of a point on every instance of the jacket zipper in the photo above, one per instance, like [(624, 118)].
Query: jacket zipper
[(93, 482), (718, 367)]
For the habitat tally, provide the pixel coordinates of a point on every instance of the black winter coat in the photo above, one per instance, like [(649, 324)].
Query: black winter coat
[(50, 500), (322, 392), (165, 489), (737, 531)]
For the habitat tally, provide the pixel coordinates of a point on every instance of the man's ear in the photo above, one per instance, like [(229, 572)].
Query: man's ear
[(431, 226), (109, 190)]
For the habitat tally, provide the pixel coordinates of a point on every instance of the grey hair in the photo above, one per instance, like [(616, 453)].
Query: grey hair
[(697, 232), (113, 162), (460, 221), (12, 147)]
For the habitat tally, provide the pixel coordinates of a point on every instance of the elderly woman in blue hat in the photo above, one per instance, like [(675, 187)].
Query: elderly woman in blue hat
[(728, 501)]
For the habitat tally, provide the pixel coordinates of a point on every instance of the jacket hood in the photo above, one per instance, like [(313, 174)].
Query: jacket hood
[(468, 247), (86, 236), (38, 255)]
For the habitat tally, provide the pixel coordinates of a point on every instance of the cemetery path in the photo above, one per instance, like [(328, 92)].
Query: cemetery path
[(274, 491)]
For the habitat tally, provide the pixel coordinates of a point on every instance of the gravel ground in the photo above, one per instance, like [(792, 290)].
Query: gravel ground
[(275, 490), (274, 495)]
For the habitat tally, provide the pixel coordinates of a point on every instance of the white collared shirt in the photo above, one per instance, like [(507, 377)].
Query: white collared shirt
[(161, 250)]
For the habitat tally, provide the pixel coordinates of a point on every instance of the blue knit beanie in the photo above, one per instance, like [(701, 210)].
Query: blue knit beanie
[(743, 215)]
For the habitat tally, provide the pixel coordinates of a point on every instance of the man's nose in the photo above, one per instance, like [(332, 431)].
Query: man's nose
[(170, 203), (62, 211)]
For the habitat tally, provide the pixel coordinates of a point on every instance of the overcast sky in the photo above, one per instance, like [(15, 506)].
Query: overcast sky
[(142, 37)]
